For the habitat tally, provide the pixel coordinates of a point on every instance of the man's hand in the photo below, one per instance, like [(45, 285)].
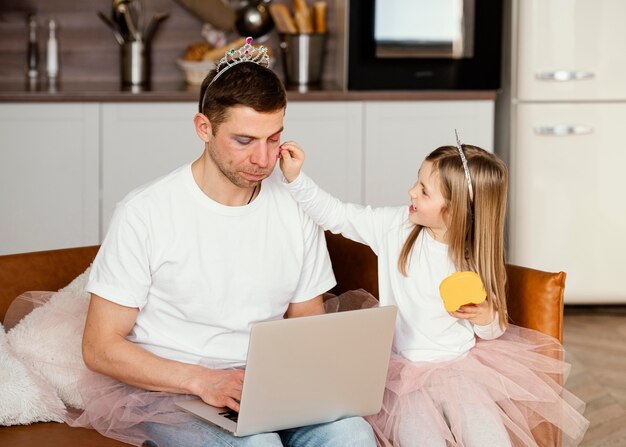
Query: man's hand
[(220, 388), (480, 314), (291, 160)]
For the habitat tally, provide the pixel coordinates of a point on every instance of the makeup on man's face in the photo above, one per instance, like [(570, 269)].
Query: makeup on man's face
[(245, 140)]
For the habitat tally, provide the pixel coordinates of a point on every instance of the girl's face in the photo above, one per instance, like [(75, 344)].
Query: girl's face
[(427, 203)]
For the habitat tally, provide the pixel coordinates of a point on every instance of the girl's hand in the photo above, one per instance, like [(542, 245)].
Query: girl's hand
[(480, 314), (291, 160)]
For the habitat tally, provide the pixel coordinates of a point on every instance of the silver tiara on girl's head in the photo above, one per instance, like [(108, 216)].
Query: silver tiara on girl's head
[(468, 177), (247, 53)]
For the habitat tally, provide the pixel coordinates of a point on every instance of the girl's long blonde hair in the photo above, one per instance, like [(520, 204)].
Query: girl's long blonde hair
[(475, 234)]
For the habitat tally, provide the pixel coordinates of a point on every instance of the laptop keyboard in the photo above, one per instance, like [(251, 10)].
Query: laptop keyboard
[(229, 413)]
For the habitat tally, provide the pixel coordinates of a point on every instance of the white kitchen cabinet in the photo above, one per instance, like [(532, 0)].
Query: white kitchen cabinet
[(64, 167), (398, 135), (331, 135), (570, 50), (49, 174), (141, 142), (569, 210)]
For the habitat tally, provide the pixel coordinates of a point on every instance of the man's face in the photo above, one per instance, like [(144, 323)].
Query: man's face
[(245, 146)]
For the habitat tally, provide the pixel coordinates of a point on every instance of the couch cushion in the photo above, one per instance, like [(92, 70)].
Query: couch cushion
[(24, 396)]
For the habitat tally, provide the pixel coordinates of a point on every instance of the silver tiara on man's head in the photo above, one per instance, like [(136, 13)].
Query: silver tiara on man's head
[(247, 53)]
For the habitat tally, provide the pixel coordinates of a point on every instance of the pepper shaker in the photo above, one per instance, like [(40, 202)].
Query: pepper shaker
[(33, 51)]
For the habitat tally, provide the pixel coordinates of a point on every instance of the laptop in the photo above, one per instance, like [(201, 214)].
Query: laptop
[(309, 370)]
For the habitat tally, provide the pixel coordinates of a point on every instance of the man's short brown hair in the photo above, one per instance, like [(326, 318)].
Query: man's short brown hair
[(246, 84)]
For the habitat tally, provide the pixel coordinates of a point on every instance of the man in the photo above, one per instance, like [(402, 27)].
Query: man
[(191, 261)]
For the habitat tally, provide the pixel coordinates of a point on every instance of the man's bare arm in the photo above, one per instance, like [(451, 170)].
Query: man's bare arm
[(313, 306), (107, 351)]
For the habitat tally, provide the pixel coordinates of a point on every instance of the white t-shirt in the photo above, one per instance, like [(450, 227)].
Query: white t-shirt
[(424, 329), (202, 273)]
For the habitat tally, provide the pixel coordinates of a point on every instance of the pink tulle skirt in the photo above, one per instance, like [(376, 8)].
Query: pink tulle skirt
[(120, 411), (506, 391)]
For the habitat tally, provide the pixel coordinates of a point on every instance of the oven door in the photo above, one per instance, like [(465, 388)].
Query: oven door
[(424, 44), (424, 28)]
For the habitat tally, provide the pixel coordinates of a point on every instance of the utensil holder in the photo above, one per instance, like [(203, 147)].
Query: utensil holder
[(135, 63), (303, 57)]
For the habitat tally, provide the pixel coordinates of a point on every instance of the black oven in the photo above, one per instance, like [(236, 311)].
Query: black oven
[(424, 44)]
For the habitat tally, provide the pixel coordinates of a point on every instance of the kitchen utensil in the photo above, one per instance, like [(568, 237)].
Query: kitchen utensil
[(110, 24), (319, 10), (254, 19), (215, 12), (123, 9), (303, 16), (117, 17), (153, 24), (282, 18), (135, 8)]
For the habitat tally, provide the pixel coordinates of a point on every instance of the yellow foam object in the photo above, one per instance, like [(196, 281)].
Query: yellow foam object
[(462, 288)]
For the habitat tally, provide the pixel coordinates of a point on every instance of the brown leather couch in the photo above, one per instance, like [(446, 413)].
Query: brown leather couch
[(535, 300)]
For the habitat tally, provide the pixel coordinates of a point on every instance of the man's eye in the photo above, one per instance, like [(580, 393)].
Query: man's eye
[(243, 140)]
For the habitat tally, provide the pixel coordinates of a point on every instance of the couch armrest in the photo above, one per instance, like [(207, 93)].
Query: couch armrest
[(42, 270), (535, 299)]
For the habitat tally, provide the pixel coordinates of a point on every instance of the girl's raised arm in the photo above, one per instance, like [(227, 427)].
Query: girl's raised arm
[(360, 223)]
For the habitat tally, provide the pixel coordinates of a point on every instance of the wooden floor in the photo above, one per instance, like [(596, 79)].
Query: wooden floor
[(595, 343)]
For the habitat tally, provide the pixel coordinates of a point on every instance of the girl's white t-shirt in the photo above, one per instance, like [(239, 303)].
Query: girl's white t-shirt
[(202, 273), (424, 329)]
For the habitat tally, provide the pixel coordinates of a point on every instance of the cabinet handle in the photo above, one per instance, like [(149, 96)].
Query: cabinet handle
[(563, 130), (565, 75)]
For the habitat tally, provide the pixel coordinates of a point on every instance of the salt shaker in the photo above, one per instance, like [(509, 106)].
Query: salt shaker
[(52, 55)]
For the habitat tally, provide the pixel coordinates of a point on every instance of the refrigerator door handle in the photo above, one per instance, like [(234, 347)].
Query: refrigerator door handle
[(563, 130), (565, 75)]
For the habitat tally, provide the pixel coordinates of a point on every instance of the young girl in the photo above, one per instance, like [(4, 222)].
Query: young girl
[(455, 379)]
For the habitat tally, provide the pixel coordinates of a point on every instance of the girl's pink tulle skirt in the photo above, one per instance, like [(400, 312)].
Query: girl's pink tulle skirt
[(506, 391)]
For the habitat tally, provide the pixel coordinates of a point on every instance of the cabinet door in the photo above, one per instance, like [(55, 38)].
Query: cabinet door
[(331, 135), (399, 135), (571, 49), (568, 209), (141, 142), (49, 172)]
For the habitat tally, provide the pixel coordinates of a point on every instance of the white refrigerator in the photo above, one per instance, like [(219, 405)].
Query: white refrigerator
[(568, 144)]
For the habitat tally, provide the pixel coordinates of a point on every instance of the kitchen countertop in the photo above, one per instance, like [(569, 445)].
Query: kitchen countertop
[(181, 92)]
